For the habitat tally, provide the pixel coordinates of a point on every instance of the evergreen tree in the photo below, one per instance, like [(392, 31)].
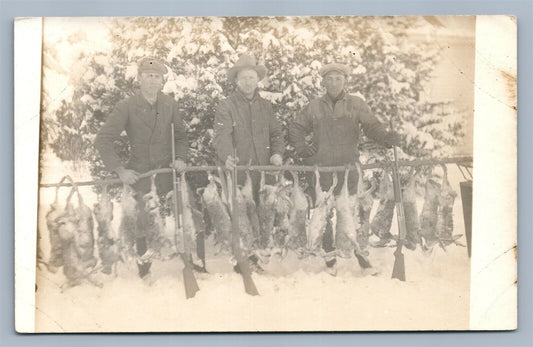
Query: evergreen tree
[(389, 71)]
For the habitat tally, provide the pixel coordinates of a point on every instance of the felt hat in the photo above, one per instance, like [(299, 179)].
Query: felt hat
[(246, 62)]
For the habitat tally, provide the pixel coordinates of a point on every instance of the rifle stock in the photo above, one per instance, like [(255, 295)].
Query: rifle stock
[(398, 270), (189, 281)]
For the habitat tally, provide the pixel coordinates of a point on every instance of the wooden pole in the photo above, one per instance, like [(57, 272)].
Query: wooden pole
[(376, 165)]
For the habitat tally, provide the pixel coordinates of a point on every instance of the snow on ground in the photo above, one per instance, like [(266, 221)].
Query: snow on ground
[(294, 294)]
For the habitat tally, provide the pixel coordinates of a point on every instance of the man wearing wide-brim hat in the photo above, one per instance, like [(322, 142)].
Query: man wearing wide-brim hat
[(246, 119), (146, 117), (335, 120)]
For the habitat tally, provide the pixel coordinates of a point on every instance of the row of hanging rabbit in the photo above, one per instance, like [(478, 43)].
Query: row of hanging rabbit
[(82, 254), (284, 219), (433, 226), (70, 230)]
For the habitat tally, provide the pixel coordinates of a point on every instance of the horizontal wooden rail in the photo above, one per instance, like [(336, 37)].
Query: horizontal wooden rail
[(465, 161)]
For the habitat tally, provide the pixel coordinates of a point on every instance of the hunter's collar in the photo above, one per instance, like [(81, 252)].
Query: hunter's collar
[(243, 98), (141, 100), (327, 99)]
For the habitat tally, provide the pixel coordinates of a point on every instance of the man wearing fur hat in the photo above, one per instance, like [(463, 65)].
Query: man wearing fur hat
[(334, 121), (248, 119), (146, 118)]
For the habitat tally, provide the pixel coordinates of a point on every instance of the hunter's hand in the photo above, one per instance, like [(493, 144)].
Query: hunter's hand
[(231, 162), (178, 164), (392, 139), (127, 176), (276, 160), (309, 151)]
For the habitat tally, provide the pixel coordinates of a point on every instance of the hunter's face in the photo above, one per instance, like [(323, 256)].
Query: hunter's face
[(151, 82), (334, 82), (247, 81)]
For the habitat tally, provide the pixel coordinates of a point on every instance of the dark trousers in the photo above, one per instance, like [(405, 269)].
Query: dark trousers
[(163, 183), (145, 232), (256, 182), (326, 180)]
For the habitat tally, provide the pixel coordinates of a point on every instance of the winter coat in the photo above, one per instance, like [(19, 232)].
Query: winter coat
[(335, 132), (148, 129), (258, 134)]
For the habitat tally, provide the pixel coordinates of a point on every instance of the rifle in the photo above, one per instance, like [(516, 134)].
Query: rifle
[(363, 261), (242, 261), (189, 281), (398, 271)]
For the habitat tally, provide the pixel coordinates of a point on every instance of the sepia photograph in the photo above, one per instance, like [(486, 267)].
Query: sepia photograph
[(218, 174)]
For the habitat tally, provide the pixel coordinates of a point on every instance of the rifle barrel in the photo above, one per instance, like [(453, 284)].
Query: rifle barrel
[(242, 261), (189, 281), (398, 270)]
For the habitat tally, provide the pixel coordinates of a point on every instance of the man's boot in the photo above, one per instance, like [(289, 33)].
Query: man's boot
[(253, 263), (144, 269), (144, 262), (327, 245)]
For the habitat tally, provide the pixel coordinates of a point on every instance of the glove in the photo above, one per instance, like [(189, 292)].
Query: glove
[(231, 162), (309, 151), (178, 164), (276, 160), (392, 139), (127, 176)]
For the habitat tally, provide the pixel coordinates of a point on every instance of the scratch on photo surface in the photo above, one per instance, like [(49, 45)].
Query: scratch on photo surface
[(50, 318), (493, 302), (499, 256)]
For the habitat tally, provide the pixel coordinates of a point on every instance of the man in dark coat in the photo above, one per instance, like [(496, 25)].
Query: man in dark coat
[(247, 118), (335, 120), (146, 117)]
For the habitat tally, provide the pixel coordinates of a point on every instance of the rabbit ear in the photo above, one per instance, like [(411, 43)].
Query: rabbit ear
[(335, 179), (69, 197), (445, 170), (80, 198), (262, 181), (317, 173), (295, 179), (153, 186), (200, 191), (105, 189), (373, 186), (425, 170), (280, 176), (346, 173), (223, 183), (58, 186), (104, 193), (75, 189), (444, 181), (216, 180)]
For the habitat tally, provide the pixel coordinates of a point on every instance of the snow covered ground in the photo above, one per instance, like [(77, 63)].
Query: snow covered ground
[(295, 295)]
